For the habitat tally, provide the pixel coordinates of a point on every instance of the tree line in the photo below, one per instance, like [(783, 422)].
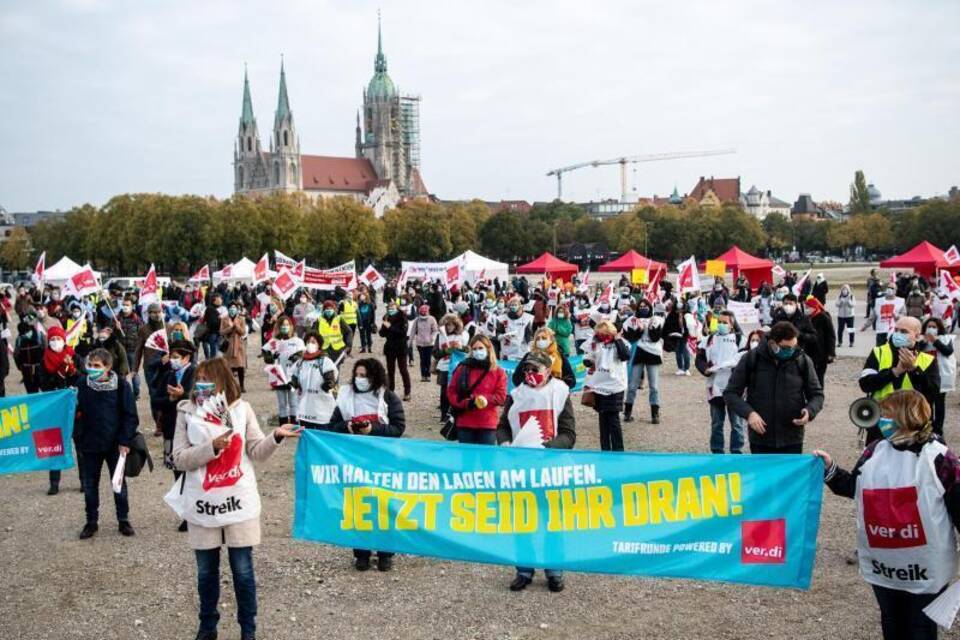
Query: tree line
[(181, 233)]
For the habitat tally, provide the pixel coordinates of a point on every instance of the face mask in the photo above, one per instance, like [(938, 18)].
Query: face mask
[(754, 344), (789, 309), (887, 427), (284, 329), (785, 353), (533, 379), (362, 384), (328, 314), (103, 337), (233, 312), (604, 308), (480, 354), (932, 331), (901, 341), (95, 373), (514, 309), (56, 345), (561, 316), (501, 307), (723, 329), (127, 309), (154, 317), (177, 364), (543, 344), (176, 335), (76, 315), (304, 300), (391, 312), (312, 347), (203, 390)]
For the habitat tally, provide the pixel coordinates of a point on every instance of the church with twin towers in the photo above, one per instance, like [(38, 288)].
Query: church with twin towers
[(386, 166)]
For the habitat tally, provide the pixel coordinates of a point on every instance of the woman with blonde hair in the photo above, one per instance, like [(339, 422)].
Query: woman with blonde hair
[(606, 356), (908, 507), (217, 494), (545, 341), (478, 387)]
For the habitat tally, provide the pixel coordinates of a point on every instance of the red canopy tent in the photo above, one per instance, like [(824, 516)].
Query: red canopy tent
[(925, 259), (551, 265), (632, 260), (756, 270)]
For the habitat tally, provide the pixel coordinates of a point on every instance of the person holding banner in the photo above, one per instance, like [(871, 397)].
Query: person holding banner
[(545, 342), (218, 495), (477, 389), (105, 428), (314, 376), (542, 402), (394, 330), (284, 349), (607, 356), (59, 371), (366, 407), (907, 491)]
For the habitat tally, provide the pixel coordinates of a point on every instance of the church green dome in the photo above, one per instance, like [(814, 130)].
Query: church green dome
[(381, 86)]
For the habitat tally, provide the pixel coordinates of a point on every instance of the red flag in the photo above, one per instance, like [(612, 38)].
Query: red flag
[(453, 274), (949, 286), (688, 278), (201, 276), (952, 255), (586, 278), (285, 284), (262, 269), (373, 278), (607, 294), (82, 283), (148, 292), (299, 270), (40, 270), (653, 289), (276, 376)]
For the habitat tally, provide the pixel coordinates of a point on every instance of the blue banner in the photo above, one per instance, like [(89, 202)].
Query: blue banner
[(576, 363), (36, 431), (748, 519)]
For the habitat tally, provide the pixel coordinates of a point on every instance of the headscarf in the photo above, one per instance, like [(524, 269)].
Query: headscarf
[(815, 306), (54, 362)]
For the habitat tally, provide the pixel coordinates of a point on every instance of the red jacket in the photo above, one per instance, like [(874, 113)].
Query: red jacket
[(493, 387)]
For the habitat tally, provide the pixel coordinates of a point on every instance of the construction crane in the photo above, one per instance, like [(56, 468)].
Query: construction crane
[(624, 161)]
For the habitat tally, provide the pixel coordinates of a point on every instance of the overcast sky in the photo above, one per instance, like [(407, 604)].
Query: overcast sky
[(99, 98)]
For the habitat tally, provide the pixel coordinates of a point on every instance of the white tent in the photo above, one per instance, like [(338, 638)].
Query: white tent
[(474, 264), (63, 271), (240, 271)]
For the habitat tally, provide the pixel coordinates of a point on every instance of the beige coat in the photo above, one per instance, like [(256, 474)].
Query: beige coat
[(188, 457), (234, 330)]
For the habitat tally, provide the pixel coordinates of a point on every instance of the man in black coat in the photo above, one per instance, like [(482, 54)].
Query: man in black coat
[(792, 311), (775, 388)]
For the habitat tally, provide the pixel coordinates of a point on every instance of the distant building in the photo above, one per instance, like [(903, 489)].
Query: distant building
[(805, 208), (724, 190), (760, 204)]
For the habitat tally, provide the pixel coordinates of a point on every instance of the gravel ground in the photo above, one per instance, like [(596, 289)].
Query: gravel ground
[(59, 587)]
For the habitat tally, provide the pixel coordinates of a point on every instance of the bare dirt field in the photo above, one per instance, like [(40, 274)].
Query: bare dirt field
[(58, 587)]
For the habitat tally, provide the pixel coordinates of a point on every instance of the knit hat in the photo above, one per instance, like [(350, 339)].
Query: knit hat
[(56, 332), (540, 358), (329, 304), (154, 306)]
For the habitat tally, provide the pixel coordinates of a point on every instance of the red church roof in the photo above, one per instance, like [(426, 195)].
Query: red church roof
[(327, 173), (727, 189)]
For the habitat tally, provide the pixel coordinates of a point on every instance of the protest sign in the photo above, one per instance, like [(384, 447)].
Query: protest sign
[(744, 312), (716, 268), (749, 519), (36, 431)]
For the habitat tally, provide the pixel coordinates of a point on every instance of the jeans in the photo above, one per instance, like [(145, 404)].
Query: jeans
[(528, 573), (286, 403), (366, 337), (757, 448), (718, 410), (426, 353), (902, 616), (92, 466), (211, 345), (653, 382), (683, 355), (393, 363), (611, 433), (348, 335), (244, 587), (134, 374), (469, 435), (939, 410), (842, 324)]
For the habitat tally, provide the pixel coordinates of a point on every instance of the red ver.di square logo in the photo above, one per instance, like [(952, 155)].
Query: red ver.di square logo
[(764, 541), (48, 442)]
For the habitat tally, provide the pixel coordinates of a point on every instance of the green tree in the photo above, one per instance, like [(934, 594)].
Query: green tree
[(779, 232), (859, 196), (15, 251), (504, 236), (418, 230)]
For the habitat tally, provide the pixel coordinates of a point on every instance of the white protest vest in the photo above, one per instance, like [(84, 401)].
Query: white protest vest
[(905, 537), (313, 403), (223, 491), (512, 343), (581, 324), (365, 406), (544, 404), (610, 372), (452, 341), (886, 312), (283, 352)]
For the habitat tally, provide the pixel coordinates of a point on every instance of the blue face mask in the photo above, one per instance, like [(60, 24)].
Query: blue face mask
[(900, 340), (887, 427), (785, 353), (723, 329), (95, 374)]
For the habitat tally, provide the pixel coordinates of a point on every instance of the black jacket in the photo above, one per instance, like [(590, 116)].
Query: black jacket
[(105, 419), (395, 416), (808, 335), (396, 336), (873, 378), (826, 339), (776, 389)]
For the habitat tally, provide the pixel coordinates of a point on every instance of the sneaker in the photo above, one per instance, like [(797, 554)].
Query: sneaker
[(520, 583), (687, 372), (555, 584), (125, 528), (406, 398), (89, 530), (55, 489), (361, 564), (678, 372), (384, 563)]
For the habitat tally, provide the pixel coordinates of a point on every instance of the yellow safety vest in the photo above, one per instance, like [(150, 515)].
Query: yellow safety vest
[(884, 356), (331, 334), (349, 313)]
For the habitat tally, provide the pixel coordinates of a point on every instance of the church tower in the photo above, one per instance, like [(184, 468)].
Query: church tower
[(248, 168), (383, 142), (285, 145)]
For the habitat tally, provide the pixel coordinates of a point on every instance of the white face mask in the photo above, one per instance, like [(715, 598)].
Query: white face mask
[(56, 345), (754, 344), (789, 309), (362, 384), (312, 347), (543, 344)]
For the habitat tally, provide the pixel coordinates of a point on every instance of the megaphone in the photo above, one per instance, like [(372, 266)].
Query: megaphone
[(865, 412)]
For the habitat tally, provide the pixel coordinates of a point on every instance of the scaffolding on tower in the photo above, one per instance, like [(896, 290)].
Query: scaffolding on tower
[(410, 129)]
